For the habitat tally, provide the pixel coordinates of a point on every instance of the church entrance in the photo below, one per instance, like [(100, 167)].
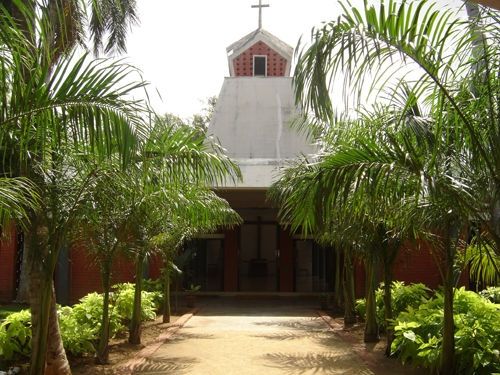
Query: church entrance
[(258, 256), (206, 267), (314, 266)]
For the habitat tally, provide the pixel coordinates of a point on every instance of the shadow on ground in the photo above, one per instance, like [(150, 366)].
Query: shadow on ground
[(321, 363), (161, 366)]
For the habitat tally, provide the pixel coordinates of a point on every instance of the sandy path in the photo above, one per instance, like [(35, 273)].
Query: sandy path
[(254, 338)]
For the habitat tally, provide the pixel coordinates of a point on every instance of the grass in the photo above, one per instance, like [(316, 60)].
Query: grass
[(6, 310)]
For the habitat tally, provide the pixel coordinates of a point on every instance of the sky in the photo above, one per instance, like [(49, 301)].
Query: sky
[(180, 46)]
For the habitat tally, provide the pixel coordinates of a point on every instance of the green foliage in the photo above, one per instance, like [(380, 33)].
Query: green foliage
[(418, 334), (77, 338), (15, 336), (89, 313), (492, 293), (402, 297), (79, 324), (361, 308), (124, 302)]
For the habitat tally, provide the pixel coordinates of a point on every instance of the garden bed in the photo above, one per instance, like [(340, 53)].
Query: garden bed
[(120, 351)]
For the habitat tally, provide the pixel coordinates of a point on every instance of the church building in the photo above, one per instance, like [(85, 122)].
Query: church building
[(252, 121)]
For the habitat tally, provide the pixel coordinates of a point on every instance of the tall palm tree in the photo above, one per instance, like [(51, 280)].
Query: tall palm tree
[(67, 103), (451, 166)]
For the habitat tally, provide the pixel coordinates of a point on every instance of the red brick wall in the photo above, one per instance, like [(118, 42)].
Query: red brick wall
[(243, 64), (7, 264), (286, 261), (85, 275), (155, 266)]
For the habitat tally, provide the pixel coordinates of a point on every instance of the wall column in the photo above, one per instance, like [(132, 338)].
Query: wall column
[(286, 260), (231, 260)]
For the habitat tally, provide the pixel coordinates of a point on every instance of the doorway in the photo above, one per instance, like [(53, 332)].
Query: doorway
[(258, 256), (314, 266)]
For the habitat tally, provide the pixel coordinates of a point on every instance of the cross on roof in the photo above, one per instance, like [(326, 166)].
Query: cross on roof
[(260, 6)]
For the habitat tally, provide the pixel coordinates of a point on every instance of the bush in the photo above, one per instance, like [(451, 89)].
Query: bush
[(360, 308), (77, 338), (124, 302), (15, 336), (89, 313), (492, 294), (418, 334), (402, 297), (80, 324)]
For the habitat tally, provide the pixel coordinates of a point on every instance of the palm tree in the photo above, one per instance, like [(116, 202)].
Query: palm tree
[(175, 166), (456, 157), (63, 104)]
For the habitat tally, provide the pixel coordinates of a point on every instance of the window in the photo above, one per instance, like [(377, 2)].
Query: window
[(260, 65)]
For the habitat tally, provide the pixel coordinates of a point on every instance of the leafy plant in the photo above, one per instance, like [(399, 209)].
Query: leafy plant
[(89, 313), (15, 335), (124, 302), (77, 338), (418, 334), (403, 297), (492, 294)]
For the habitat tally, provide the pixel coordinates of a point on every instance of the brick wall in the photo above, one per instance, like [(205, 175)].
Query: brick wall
[(7, 264), (243, 64)]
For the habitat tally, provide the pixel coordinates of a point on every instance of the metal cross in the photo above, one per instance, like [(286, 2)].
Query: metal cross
[(260, 6)]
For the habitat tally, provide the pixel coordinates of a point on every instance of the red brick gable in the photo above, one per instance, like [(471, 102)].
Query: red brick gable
[(243, 64)]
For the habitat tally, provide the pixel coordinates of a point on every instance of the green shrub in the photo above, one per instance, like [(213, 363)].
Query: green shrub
[(402, 297), (77, 338), (15, 336), (418, 334), (124, 302), (492, 293), (88, 312), (360, 308), (155, 287)]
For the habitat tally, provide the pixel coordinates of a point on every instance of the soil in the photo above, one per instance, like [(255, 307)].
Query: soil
[(120, 351)]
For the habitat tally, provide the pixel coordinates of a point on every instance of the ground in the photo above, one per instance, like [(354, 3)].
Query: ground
[(248, 336), (121, 351)]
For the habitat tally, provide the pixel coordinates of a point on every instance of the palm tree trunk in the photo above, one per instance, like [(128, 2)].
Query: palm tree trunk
[(371, 327), (23, 294), (390, 252), (166, 294), (102, 354), (388, 308), (135, 323), (57, 362), (348, 289), (40, 299)]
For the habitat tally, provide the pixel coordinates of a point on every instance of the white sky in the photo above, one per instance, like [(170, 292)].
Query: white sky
[(180, 46)]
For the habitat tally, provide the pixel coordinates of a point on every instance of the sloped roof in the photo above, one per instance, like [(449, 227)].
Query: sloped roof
[(248, 40)]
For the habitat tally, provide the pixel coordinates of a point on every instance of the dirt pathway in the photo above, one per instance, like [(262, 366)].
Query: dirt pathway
[(254, 337)]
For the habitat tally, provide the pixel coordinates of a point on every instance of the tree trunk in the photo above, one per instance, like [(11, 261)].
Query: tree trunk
[(388, 308), (166, 294), (135, 323), (57, 362), (371, 327), (102, 354), (348, 289), (390, 253), (40, 299), (448, 353), (23, 295)]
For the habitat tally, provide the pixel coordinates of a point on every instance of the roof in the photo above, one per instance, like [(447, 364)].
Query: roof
[(255, 36)]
